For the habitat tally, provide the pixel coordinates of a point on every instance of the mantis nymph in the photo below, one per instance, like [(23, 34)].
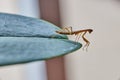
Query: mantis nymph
[(78, 33)]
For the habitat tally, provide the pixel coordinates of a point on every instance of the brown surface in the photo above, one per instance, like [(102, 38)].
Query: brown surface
[(49, 10)]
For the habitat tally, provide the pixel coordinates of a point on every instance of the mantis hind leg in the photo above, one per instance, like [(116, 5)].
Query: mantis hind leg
[(87, 42), (68, 29)]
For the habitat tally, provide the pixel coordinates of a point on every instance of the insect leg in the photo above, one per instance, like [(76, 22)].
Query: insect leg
[(68, 29), (77, 37), (87, 42), (65, 29)]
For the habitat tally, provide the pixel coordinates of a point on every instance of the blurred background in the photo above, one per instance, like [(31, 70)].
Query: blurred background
[(100, 62)]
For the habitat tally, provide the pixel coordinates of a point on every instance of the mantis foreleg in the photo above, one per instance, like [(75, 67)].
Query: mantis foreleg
[(87, 42)]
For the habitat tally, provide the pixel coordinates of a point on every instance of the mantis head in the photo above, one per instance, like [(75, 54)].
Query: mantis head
[(90, 30)]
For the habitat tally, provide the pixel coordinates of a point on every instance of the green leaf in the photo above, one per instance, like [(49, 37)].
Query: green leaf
[(25, 39)]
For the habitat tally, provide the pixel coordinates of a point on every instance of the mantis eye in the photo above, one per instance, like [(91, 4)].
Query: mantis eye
[(90, 31)]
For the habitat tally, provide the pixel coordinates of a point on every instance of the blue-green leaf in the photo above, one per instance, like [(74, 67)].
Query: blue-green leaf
[(25, 39), (23, 49), (21, 26)]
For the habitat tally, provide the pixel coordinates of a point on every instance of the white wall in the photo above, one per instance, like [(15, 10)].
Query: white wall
[(10, 72), (102, 61), (8, 6), (30, 71)]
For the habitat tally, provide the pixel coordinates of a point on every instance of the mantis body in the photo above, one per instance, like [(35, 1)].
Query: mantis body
[(69, 31)]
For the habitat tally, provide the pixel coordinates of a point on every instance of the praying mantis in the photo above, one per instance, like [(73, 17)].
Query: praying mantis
[(78, 33)]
